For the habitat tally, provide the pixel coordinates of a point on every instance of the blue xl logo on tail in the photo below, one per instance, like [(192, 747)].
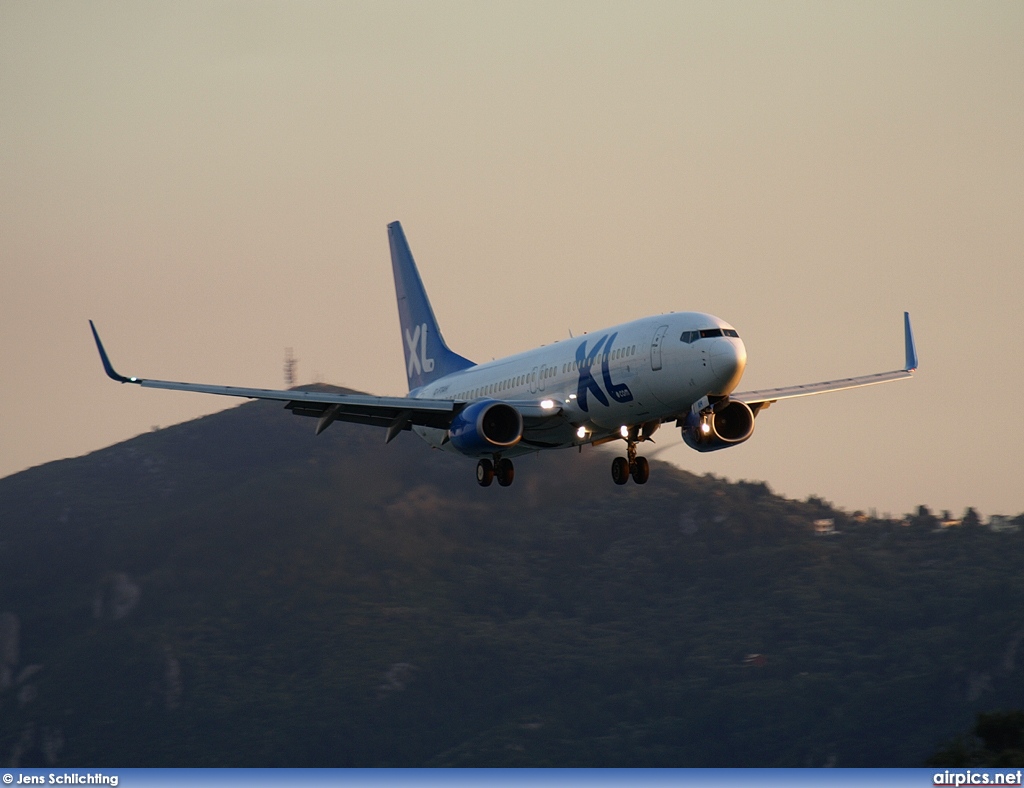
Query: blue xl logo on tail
[(418, 362)]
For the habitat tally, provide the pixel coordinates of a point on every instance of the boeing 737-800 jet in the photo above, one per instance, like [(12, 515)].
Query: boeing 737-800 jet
[(621, 383)]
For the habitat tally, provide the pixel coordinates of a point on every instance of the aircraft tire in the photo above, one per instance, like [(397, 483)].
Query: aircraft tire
[(484, 473), (505, 471), (620, 470), (641, 470)]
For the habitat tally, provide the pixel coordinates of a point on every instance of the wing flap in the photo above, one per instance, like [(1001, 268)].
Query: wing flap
[(407, 412)]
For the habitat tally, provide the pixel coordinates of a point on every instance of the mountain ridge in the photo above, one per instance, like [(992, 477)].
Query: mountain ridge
[(235, 591)]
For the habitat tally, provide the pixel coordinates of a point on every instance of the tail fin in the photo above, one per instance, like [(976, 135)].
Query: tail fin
[(427, 356)]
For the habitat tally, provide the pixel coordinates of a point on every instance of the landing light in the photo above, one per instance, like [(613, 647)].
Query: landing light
[(547, 404), (624, 431), (705, 428), (581, 432)]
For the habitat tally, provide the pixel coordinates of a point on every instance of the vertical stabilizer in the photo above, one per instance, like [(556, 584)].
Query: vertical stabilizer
[(427, 357)]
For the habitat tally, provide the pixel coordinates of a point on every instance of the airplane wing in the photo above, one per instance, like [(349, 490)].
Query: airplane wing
[(758, 400), (394, 413)]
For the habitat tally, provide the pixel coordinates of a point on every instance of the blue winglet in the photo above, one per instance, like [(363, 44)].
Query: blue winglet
[(107, 366), (908, 334)]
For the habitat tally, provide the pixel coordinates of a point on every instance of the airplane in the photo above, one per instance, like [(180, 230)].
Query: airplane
[(618, 384)]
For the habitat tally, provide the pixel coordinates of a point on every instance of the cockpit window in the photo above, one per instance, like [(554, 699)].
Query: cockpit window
[(692, 336)]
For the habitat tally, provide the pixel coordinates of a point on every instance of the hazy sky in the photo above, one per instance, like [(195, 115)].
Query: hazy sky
[(211, 182)]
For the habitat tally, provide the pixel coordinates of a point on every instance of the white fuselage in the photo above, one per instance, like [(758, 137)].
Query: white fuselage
[(642, 372)]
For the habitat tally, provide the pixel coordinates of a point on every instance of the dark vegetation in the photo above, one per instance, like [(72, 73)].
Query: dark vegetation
[(235, 592), (996, 740)]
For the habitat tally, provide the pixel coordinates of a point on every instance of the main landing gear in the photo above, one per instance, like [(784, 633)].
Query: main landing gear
[(502, 467), (630, 465)]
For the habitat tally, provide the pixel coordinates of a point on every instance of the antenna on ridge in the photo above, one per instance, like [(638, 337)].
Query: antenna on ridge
[(290, 362)]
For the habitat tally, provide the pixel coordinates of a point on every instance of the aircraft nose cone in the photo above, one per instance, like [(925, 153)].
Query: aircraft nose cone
[(728, 360)]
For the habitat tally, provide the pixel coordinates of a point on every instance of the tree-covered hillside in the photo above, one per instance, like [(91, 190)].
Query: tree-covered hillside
[(233, 591)]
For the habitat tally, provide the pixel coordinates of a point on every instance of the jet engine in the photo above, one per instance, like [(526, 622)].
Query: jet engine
[(486, 426), (727, 425)]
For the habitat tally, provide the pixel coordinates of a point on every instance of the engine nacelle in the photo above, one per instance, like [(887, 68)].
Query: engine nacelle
[(725, 427), (485, 427)]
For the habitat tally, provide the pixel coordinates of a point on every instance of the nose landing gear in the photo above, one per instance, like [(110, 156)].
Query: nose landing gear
[(502, 467), (630, 465)]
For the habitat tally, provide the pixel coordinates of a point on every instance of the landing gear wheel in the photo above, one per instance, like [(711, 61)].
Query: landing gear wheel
[(505, 471), (484, 473), (620, 470), (641, 470)]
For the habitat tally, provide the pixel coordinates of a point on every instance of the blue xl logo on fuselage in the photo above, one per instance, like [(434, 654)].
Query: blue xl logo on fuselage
[(584, 361)]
